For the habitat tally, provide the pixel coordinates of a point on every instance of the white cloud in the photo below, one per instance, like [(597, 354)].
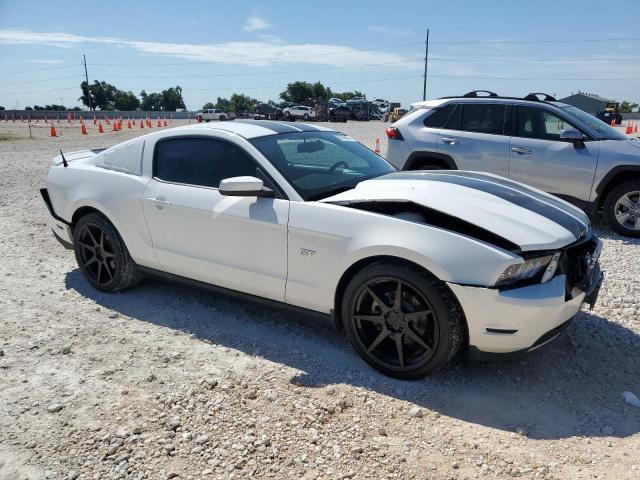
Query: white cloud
[(263, 52), (396, 32), (255, 23)]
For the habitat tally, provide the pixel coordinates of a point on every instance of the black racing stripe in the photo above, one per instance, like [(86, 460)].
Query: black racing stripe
[(540, 206), (523, 188), (275, 127)]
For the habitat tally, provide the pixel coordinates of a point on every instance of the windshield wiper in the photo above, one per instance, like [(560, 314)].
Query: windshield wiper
[(330, 193)]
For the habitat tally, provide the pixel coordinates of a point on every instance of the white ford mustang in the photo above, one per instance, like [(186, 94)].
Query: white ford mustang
[(413, 266)]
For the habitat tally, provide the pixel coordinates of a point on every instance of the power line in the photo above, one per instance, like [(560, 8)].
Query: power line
[(42, 69), (534, 42)]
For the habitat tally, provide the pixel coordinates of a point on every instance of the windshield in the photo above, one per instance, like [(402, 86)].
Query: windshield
[(321, 164), (606, 131)]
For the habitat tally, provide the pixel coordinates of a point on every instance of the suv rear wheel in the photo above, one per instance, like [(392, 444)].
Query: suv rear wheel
[(622, 208)]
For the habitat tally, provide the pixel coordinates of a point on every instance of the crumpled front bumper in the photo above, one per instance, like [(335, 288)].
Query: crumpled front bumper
[(519, 320), (60, 228)]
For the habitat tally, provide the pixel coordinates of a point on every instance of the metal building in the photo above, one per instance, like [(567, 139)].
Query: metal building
[(589, 102)]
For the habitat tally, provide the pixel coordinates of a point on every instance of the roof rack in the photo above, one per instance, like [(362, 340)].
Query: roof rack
[(535, 97), (474, 93), (532, 97)]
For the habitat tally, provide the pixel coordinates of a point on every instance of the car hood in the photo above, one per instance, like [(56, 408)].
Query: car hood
[(525, 216)]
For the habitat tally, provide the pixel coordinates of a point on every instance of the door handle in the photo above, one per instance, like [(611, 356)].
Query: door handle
[(159, 202), (521, 151), (450, 141)]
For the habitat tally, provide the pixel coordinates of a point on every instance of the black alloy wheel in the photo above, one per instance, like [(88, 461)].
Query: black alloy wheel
[(401, 320), (102, 255), (97, 257)]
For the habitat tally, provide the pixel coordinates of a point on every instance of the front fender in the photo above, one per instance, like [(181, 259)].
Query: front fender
[(326, 240)]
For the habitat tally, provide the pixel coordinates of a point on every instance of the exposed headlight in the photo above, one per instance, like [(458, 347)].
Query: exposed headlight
[(540, 269)]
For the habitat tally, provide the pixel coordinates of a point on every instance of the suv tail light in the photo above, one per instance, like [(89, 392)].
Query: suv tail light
[(393, 132)]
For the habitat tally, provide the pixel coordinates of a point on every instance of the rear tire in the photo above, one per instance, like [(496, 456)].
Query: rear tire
[(407, 331), (102, 255), (622, 208)]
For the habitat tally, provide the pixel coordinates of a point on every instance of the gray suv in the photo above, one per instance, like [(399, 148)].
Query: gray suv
[(534, 140)]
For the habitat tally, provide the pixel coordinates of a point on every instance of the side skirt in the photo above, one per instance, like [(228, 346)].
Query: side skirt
[(304, 313)]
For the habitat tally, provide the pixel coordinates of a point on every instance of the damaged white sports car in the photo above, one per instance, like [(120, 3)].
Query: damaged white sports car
[(414, 267)]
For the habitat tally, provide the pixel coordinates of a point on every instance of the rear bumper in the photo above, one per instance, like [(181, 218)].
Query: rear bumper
[(59, 226), (513, 322)]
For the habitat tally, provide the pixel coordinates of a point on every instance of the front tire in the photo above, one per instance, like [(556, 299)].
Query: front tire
[(102, 255), (622, 208), (402, 320)]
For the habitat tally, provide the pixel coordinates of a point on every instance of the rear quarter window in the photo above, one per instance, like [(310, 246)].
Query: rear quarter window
[(439, 116)]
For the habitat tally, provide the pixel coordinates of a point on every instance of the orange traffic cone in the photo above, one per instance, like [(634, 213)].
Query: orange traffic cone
[(83, 129), (134, 121), (165, 121), (95, 120), (628, 130), (114, 127), (81, 119), (141, 124), (377, 149), (53, 131), (100, 129), (129, 124), (635, 127), (159, 124)]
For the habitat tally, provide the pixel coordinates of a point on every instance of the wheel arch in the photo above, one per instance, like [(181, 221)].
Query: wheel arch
[(354, 268), (417, 159), (615, 177)]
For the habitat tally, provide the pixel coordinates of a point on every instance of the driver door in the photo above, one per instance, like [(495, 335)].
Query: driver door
[(238, 243)]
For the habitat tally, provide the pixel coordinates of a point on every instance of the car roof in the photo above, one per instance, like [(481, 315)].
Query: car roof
[(258, 128)]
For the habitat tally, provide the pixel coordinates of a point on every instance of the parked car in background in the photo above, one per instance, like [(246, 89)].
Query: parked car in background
[(308, 217), (214, 114), (268, 112), (535, 140), (299, 111)]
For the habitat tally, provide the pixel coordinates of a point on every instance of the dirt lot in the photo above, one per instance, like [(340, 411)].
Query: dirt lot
[(165, 381)]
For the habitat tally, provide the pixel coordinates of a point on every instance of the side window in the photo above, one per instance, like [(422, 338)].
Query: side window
[(438, 117), (200, 161), (483, 118), (535, 122)]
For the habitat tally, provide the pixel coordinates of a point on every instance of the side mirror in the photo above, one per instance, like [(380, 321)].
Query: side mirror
[(244, 187), (571, 135)]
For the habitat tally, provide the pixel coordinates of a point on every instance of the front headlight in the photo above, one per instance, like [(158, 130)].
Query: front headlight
[(533, 270)]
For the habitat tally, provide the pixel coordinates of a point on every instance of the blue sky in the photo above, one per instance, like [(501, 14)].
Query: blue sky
[(215, 48)]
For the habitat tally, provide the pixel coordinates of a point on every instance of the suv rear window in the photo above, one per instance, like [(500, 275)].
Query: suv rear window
[(483, 118), (439, 116)]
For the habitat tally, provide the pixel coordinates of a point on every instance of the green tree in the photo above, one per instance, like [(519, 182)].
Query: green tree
[(240, 101), (626, 107), (150, 101), (298, 92), (208, 106), (55, 107), (101, 95), (223, 104), (126, 101), (1, 107), (172, 99)]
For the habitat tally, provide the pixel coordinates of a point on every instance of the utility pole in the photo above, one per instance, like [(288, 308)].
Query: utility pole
[(426, 61), (86, 76)]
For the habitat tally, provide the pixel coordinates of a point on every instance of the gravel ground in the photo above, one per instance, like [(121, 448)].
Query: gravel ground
[(165, 381)]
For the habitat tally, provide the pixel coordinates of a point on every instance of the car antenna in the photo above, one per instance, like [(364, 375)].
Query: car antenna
[(64, 160)]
